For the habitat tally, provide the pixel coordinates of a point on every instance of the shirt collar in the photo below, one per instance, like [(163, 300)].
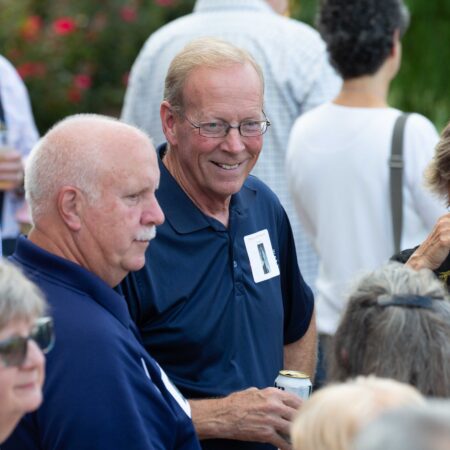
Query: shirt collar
[(229, 5), (181, 212), (40, 263)]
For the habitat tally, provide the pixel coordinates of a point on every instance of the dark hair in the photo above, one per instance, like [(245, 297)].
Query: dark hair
[(380, 334), (359, 33)]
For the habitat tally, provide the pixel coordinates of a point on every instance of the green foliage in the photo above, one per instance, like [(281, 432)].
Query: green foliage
[(75, 56)]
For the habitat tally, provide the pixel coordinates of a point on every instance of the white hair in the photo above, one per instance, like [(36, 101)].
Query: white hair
[(68, 155), (20, 299)]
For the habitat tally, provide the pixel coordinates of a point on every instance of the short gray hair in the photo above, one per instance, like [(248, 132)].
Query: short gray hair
[(409, 344), (20, 299), (414, 428), (437, 175), (203, 52), (67, 155)]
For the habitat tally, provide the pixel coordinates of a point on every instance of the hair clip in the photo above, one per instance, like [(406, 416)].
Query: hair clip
[(411, 301)]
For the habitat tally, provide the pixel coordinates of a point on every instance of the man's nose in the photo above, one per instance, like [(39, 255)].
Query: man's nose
[(233, 141), (153, 213)]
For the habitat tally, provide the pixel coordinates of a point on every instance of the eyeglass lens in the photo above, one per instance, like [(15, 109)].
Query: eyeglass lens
[(13, 351)]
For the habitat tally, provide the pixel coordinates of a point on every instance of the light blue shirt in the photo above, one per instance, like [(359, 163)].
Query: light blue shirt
[(22, 134), (297, 76)]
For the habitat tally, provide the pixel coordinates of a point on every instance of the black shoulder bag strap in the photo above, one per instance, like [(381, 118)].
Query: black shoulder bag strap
[(396, 178)]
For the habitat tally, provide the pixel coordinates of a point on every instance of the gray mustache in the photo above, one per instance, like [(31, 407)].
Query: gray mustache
[(146, 234)]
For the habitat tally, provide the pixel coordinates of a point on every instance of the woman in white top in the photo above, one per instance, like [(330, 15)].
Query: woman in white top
[(338, 154)]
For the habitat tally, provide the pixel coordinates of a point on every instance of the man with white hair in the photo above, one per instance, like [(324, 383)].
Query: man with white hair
[(91, 183)]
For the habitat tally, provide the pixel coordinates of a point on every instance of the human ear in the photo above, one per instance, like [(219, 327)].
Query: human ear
[(69, 206), (168, 122)]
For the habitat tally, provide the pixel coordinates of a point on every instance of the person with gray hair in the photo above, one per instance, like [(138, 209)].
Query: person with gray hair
[(91, 183), (25, 334), (221, 303), (396, 325), (418, 427)]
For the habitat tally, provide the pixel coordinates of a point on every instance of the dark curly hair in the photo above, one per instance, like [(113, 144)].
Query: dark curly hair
[(359, 33)]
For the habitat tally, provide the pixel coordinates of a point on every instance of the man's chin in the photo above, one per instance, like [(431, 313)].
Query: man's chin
[(137, 263)]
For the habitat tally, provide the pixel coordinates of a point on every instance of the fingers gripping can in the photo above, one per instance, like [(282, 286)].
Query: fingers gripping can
[(295, 382)]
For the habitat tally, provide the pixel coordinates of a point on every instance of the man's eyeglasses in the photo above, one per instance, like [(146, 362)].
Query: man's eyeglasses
[(220, 128), (13, 351)]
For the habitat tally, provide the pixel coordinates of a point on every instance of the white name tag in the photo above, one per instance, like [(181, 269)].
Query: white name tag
[(176, 394), (260, 253)]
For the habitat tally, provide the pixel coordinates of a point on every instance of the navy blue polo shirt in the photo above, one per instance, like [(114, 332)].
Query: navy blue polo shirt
[(102, 389), (201, 315)]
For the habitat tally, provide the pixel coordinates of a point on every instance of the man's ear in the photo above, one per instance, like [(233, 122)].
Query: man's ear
[(396, 47), (168, 122), (69, 207)]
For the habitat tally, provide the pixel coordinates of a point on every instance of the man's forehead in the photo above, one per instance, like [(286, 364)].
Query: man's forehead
[(239, 82)]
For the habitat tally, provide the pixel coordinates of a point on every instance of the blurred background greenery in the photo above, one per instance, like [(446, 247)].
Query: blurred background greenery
[(75, 56)]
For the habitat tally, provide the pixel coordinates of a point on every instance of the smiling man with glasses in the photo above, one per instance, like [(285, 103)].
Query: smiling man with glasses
[(219, 317)]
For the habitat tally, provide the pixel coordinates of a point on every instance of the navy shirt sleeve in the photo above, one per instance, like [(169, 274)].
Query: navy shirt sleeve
[(298, 299), (92, 402)]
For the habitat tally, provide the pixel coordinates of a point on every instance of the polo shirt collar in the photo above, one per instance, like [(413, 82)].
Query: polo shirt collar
[(229, 5), (41, 263), (181, 212)]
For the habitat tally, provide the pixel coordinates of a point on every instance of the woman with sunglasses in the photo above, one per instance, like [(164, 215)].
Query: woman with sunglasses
[(24, 336)]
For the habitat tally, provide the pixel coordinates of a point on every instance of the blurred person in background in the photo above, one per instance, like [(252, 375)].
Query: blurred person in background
[(332, 416), (338, 155), (396, 325), (297, 76), (24, 335), (416, 427), (18, 134)]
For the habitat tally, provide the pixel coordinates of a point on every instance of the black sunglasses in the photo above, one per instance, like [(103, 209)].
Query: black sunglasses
[(13, 351)]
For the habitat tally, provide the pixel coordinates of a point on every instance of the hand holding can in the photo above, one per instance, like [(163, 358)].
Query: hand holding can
[(293, 381)]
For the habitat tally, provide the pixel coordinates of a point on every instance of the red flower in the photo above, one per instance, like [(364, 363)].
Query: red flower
[(82, 81), (31, 27), (74, 94), (32, 69), (128, 13), (64, 25), (165, 2)]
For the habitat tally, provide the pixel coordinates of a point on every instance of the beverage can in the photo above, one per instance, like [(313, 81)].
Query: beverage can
[(296, 382)]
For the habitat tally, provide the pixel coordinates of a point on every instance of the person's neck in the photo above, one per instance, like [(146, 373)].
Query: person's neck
[(52, 244), (364, 92), (62, 244), (7, 425), (209, 206)]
